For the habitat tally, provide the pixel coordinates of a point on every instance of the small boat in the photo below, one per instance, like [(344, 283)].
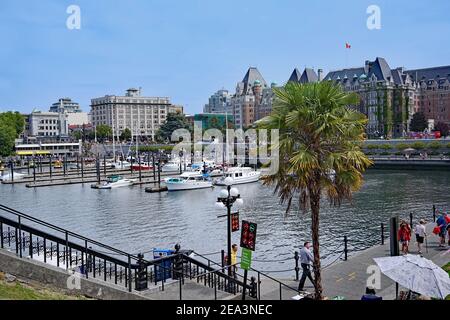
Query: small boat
[(57, 165), (121, 165), (189, 181), (143, 166), (8, 176), (239, 175), (171, 166), (113, 182)]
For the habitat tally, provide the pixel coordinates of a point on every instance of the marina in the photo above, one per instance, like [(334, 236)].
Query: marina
[(138, 221)]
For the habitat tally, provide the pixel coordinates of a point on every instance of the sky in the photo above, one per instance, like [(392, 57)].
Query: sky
[(188, 49)]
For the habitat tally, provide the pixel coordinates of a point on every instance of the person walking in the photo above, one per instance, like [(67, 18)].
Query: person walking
[(306, 259), (404, 235), (234, 252), (419, 230)]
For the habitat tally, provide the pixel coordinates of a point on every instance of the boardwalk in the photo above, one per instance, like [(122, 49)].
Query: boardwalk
[(348, 278)]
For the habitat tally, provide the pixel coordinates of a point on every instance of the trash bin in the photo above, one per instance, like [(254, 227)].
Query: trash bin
[(162, 269)]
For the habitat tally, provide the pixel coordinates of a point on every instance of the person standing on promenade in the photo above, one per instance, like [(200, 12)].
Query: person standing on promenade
[(419, 230), (442, 223), (234, 252), (404, 235), (306, 259)]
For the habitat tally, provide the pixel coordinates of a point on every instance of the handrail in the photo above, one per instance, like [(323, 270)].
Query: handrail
[(59, 229), (273, 279)]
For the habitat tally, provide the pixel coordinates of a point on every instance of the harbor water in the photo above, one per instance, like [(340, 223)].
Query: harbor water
[(135, 221)]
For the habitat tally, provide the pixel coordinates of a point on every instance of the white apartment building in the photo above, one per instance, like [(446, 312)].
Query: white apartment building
[(44, 125), (142, 115)]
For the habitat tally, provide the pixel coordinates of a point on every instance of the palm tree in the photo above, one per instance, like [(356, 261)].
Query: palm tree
[(319, 150)]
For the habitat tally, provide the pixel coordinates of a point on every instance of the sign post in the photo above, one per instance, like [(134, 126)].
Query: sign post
[(248, 240)]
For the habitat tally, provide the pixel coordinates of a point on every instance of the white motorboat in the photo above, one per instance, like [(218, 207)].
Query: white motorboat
[(171, 166), (239, 175), (188, 181), (9, 177), (121, 165), (113, 182)]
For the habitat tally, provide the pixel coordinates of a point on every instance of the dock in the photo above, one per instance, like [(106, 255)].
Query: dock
[(348, 279)]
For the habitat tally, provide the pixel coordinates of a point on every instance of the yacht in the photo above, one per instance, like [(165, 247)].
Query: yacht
[(113, 182), (239, 175), (188, 181), (8, 177), (171, 166), (121, 165)]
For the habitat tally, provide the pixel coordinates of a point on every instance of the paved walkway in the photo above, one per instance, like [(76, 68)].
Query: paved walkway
[(349, 278)]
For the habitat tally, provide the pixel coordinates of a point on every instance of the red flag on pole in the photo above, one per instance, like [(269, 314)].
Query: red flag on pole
[(347, 46)]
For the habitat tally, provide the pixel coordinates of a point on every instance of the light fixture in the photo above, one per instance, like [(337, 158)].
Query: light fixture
[(223, 194), (228, 181), (234, 192), (239, 202), (220, 205)]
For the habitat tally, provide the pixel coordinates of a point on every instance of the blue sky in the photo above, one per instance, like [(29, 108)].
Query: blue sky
[(188, 49)]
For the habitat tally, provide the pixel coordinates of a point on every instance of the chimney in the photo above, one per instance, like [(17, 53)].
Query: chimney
[(319, 74)]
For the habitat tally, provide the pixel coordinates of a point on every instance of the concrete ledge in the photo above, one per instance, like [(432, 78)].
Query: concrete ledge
[(58, 278)]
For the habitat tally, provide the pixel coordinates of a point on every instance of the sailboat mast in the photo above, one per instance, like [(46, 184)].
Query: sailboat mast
[(113, 138)]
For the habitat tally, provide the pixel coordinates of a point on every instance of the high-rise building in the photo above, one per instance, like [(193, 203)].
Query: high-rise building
[(219, 102), (65, 105), (141, 115), (387, 96)]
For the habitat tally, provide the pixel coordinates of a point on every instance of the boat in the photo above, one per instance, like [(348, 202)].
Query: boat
[(58, 164), (143, 166), (171, 166), (121, 165), (114, 181), (189, 181), (239, 175), (8, 177)]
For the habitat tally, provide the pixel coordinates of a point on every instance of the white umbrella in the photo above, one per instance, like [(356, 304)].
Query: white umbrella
[(416, 274)]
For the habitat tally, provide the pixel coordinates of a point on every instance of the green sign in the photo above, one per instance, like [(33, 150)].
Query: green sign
[(246, 259)]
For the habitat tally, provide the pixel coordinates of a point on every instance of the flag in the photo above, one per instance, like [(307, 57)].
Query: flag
[(347, 46)]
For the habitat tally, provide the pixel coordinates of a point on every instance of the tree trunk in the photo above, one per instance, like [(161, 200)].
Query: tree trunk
[(315, 208)]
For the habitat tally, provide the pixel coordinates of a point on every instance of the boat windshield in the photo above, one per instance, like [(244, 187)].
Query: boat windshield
[(113, 179)]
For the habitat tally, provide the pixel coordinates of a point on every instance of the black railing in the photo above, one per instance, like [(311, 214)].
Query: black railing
[(30, 237)]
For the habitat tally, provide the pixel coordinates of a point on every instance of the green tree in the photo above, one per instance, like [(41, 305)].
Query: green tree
[(13, 119), (7, 137), (319, 150), (443, 128), (103, 132), (418, 122), (126, 134), (174, 121)]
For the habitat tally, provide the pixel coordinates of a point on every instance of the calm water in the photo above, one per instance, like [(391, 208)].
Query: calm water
[(135, 221)]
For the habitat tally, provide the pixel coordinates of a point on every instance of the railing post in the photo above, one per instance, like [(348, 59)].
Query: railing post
[(434, 213), (297, 269), (259, 285), (129, 274), (67, 250), (411, 220), (222, 255), (20, 237), (1, 235), (345, 248), (382, 233), (31, 246), (215, 288)]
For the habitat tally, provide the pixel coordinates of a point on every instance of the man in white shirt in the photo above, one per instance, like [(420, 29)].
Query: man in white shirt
[(419, 230)]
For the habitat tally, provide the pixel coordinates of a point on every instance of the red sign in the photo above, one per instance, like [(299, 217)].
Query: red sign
[(248, 235), (235, 222)]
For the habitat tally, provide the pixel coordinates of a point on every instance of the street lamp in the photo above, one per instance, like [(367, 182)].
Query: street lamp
[(226, 199)]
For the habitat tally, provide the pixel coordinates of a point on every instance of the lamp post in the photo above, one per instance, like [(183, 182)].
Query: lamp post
[(226, 199)]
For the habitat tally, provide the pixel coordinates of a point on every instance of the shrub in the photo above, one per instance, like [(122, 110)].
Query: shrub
[(372, 146), (386, 147), (418, 145), (448, 145), (385, 153), (402, 146), (435, 145)]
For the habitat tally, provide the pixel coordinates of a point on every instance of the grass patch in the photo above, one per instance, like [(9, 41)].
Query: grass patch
[(19, 291)]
